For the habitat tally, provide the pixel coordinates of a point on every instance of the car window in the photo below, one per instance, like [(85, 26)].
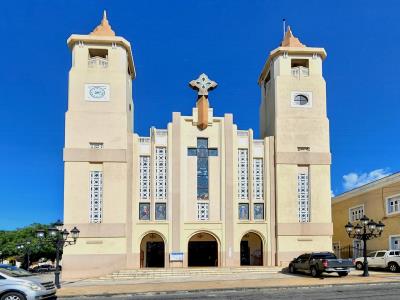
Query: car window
[(324, 256), (381, 254), (14, 271), (396, 252), (306, 256), (391, 253), (1, 277), (371, 254)]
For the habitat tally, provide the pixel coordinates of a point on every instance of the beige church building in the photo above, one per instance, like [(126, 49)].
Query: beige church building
[(199, 192)]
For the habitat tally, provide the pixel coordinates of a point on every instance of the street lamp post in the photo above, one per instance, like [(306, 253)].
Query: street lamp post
[(59, 237), (26, 249), (365, 230)]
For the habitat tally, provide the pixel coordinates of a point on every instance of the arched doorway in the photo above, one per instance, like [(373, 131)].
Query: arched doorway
[(203, 250), (251, 250), (152, 251)]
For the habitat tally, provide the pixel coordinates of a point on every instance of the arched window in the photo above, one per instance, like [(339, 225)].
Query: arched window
[(300, 100)]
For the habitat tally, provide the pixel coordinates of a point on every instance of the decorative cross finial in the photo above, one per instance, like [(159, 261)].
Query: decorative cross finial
[(203, 84)]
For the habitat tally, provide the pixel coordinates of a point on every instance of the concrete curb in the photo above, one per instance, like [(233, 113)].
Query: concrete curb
[(240, 289)]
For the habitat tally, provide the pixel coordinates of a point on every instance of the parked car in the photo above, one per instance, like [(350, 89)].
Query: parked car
[(318, 262), (386, 259), (42, 269), (18, 284)]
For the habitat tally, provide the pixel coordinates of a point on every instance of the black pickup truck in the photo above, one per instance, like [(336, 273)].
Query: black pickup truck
[(318, 262)]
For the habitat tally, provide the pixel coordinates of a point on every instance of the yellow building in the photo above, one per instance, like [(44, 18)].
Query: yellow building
[(378, 200), (199, 192)]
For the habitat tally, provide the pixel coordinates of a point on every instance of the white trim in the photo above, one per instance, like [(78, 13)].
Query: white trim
[(357, 206), (386, 205), (390, 241), (307, 94)]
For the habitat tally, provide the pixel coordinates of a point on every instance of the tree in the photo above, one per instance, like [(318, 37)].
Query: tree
[(38, 249)]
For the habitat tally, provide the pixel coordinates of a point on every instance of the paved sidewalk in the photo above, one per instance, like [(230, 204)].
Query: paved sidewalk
[(92, 287)]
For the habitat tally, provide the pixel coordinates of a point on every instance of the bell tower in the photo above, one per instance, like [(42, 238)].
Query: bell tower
[(100, 89), (99, 149), (293, 112)]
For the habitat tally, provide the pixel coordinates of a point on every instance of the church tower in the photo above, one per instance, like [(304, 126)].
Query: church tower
[(98, 148), (293, 112)]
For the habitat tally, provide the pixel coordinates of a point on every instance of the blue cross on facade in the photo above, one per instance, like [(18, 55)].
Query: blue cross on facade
[(202, 152)]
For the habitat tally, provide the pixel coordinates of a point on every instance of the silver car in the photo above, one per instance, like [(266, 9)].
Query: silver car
[(18, 284)]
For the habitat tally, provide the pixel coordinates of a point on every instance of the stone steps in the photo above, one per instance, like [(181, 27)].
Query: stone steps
[(137, 274)]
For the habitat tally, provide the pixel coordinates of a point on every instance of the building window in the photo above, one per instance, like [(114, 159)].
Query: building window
[(243, 174), (243, 211), (300, 68), (303, 196), (258, 180), (212, 152), (258, 211), (144, 211), (301, 99), (394, 242), (144, 177), (96, 145), (357, 248), (356, 213), (161, 211), (96, 197), (202, 211), (202, 152), (393, 204), (161, 173), (98, 58)]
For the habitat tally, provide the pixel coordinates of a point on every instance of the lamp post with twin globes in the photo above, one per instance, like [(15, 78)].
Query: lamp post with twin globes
[(365, 230), (59, 237)]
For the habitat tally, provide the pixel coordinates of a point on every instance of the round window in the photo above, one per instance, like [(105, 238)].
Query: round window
[(300, 100)]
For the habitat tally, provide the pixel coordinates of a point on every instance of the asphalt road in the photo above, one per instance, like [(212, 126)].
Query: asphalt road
[(370, 291)]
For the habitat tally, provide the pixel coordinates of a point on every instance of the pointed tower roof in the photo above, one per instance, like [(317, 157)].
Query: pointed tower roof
[(104, 29), (290, 40)]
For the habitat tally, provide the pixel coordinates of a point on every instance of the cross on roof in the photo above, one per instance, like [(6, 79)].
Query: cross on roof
[(203, 84)]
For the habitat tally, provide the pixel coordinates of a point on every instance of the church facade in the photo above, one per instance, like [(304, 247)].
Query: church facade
[(199, 192)]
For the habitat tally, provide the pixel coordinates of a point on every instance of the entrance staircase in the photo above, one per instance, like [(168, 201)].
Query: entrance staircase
[(209, 273)]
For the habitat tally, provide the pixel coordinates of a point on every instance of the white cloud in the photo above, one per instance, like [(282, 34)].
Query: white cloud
[(353, 179), (332, 194)]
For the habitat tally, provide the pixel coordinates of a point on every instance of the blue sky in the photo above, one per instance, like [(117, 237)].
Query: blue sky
[(173, 42)]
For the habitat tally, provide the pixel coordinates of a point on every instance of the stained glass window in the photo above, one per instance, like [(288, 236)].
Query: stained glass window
[(303, 196), (258, 181), (96, 197), (202, 169), (258, 211), (144, 177), (243, 211), (161, 173), (243, 174), (161, 211), (202, 211), (144, 211)]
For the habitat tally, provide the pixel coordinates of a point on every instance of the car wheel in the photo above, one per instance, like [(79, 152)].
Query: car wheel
[(292, 269), (314, 272), (393, 267), (13, 296), (342, 274), (359, 265)]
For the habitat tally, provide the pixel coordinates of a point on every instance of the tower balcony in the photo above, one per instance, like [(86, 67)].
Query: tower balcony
[(300, 72), (98, 62)]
